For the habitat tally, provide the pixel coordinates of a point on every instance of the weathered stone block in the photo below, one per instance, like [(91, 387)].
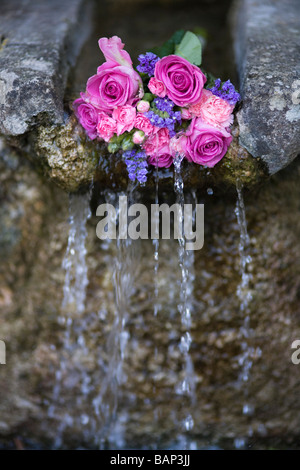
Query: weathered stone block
[(267, 49)]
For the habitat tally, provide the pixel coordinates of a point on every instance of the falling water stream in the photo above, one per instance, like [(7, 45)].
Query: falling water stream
[(123, 275), (156, 248), (73, 306), (74, 262), (186, 387), (106, 424), (156, 306), (244, 295)]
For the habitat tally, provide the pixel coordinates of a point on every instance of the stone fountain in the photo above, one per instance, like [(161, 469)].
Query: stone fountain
[(47, 50)]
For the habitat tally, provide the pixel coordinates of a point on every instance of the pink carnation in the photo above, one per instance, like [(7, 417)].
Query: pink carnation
[(163, 136), (144, 124), (107, 127), (213, 110), (125, 117), (205, 144), (157, 87)]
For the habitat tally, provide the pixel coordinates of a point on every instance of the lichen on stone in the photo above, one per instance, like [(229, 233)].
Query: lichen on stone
[(66, 154)]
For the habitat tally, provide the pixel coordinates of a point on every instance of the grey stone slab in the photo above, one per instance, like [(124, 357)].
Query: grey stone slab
[(267, 49), (40, 41)]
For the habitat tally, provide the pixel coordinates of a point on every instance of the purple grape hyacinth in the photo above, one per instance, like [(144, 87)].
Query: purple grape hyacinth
[(226, 91), (136, 162), (147, 63)]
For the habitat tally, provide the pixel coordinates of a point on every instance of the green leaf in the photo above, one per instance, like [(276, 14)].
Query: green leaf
[(210, 82), (148, 96), (112, 148), (169, 46), (127, 143), (190, 48)]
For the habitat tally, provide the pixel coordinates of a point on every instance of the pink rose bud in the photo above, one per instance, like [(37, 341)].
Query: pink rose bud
[(185, 113), (143, 106), (157, 87), (113, 51), (138, 137)]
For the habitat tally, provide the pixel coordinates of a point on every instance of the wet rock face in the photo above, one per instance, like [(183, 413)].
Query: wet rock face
[(149, 410), (39, 43), (267, 48)]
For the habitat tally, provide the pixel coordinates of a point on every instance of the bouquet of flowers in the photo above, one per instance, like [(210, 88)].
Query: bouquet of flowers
[(166, 107)]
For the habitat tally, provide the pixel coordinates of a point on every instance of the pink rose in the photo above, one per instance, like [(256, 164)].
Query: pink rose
[(112, 49), (87, 116), (183, 81), (144, 124), (112, 87), (116, 82), (157, 87), (205, 144), (157, 143), (213, 110), (125, 117), (143, 106), (107, 127), (161, 160)]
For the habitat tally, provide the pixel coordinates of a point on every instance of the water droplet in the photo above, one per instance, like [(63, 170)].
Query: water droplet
[(248, 410), (239, 443), (185, 342), (188, 423), (84, 419)]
